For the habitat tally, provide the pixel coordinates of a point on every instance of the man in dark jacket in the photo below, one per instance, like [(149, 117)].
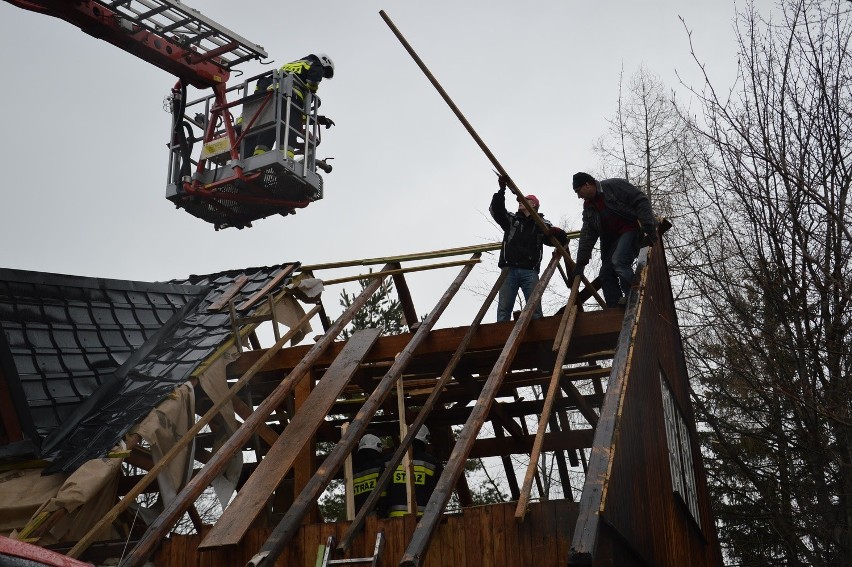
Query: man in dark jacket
[(613, 210), (521, 251)]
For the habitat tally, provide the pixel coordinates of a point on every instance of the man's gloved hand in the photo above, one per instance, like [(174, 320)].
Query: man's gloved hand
[(325, 121), (578, 270), (502, 181), (650, 235), (559, 234)]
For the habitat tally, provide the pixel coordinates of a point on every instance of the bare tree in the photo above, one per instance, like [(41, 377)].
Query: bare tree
[(773, 362)]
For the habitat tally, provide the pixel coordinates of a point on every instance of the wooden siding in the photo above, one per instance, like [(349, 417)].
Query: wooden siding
[(482, 536), (643, 522)]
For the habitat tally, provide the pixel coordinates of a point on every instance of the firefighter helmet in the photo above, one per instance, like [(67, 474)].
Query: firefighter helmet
[(369, 441), (423, 435), (327, 64)]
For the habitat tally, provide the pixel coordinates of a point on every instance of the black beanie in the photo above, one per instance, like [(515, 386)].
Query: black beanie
[(581, 178)]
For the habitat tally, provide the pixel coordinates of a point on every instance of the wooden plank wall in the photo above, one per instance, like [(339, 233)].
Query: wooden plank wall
[(643, 522), (482, 536)]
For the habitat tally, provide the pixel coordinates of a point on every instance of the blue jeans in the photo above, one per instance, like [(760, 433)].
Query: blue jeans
[(616, 273), (517, 278)]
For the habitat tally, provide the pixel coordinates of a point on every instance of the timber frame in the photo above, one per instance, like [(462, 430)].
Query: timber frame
[(614, 412)]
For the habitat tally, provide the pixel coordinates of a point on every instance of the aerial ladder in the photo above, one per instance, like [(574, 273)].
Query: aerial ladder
[(214, 172)]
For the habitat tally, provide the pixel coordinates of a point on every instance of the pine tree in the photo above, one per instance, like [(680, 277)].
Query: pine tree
[(382, 311)]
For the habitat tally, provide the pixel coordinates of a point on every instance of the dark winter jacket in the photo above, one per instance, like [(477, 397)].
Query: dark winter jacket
[(522, 237), (622, 199), (308, 69), (427, 470), (367, 467)]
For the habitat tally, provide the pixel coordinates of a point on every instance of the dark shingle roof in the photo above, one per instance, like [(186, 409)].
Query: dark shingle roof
[(86, 358)]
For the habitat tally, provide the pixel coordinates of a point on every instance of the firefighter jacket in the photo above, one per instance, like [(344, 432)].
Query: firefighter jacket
[(309, 70), (623, 199), (522, 237), (427, 471), (367, 467)]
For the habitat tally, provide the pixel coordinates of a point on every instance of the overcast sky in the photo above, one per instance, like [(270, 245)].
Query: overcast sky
[(84, 155)]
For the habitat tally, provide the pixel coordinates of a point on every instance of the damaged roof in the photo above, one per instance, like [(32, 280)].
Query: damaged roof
[(84, 359)]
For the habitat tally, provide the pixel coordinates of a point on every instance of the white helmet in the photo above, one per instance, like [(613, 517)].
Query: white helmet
[(327, 64), (370, 442), (423, 434)]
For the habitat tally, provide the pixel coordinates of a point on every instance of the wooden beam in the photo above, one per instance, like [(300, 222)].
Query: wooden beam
[(561, 463), (461, 251), (511, 477), (553, 441), (423, 414), (265, 432), (425, 529), (157, 529), (591, 329), (286, 529), (397, 271), (405, 301)]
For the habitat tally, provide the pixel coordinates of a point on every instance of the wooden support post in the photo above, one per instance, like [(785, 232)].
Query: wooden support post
[(348, 480), (425, 410), (286, 529), (185, 440), (561, 463), (511, 478), (425, 529), (405, 300), (149, 541), (407, 465), (553, 387)]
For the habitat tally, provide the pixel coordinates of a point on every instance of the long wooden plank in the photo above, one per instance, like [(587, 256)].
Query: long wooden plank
[(230, 292), (270, 285), (553, 387), (163, 523), (242, 511), (183, 442), (592, 500), (424, 412), (289, 525), (455, 465)]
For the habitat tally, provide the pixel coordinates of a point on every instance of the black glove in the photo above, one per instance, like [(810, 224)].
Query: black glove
[(324, 121), (578, 271), (650, 235), (502, 181)]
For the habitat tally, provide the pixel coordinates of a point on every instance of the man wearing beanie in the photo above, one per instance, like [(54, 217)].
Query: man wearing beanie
[(614, 210), (521, 251)]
